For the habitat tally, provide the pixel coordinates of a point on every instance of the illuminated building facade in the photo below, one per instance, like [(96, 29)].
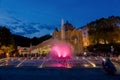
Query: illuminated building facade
[(85, 36), (70, 34), (23, 50), (78, 38)]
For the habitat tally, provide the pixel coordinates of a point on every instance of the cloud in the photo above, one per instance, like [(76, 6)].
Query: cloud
[(23, 28)]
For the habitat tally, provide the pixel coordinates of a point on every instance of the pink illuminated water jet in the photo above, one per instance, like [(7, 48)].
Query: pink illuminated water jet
[(61, 49)]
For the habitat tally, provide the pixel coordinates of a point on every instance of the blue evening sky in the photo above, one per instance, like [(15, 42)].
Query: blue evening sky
[(50, 12)]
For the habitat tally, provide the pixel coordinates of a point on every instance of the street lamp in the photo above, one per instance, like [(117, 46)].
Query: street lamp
[(112, 49)]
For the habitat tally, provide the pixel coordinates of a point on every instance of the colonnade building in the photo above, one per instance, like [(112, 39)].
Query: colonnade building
[(77, 37)]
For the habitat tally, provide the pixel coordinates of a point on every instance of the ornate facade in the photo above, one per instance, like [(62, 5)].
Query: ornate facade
[(70, 34), (78, 38)]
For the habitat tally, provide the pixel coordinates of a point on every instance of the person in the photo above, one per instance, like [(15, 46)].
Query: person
[(108, 66)]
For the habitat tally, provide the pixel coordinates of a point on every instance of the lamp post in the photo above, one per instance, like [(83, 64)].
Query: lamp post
[(112, 49)]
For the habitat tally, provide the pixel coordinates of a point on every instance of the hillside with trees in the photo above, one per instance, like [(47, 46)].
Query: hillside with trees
[(104, 34), (7, 43), (26, 42)]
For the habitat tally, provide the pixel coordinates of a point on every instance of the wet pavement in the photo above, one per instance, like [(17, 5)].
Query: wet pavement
[(83, 68)]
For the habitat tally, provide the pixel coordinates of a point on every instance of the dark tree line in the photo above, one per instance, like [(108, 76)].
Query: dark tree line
[(104, 33), (26, 42), (7, 43), (6, 37), (36, 40)]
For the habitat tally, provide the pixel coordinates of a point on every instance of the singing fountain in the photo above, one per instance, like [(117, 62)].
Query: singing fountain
[(60, 54), (61, 50)]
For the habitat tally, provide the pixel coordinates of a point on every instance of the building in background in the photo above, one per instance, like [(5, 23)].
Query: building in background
[(85, 36), (23, 50), (70, 34), (78, 38)]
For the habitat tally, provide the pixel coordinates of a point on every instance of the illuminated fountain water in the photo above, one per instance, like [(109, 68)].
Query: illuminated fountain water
[(61, 50), (60, 54)]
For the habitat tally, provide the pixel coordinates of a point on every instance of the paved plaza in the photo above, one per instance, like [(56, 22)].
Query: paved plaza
[(48, 62), (82, 68)]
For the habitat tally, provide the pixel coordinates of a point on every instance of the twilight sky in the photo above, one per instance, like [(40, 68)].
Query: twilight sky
[(50, 12)]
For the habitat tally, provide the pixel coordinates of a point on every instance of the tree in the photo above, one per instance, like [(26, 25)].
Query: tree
[(104, 32), (7, 44), (7, 50)]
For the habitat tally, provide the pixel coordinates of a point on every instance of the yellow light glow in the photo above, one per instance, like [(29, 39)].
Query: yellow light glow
[(68, 66), (86, 65)]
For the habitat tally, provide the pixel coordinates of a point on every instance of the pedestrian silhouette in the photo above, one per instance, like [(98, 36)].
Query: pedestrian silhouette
[(108, 66)]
